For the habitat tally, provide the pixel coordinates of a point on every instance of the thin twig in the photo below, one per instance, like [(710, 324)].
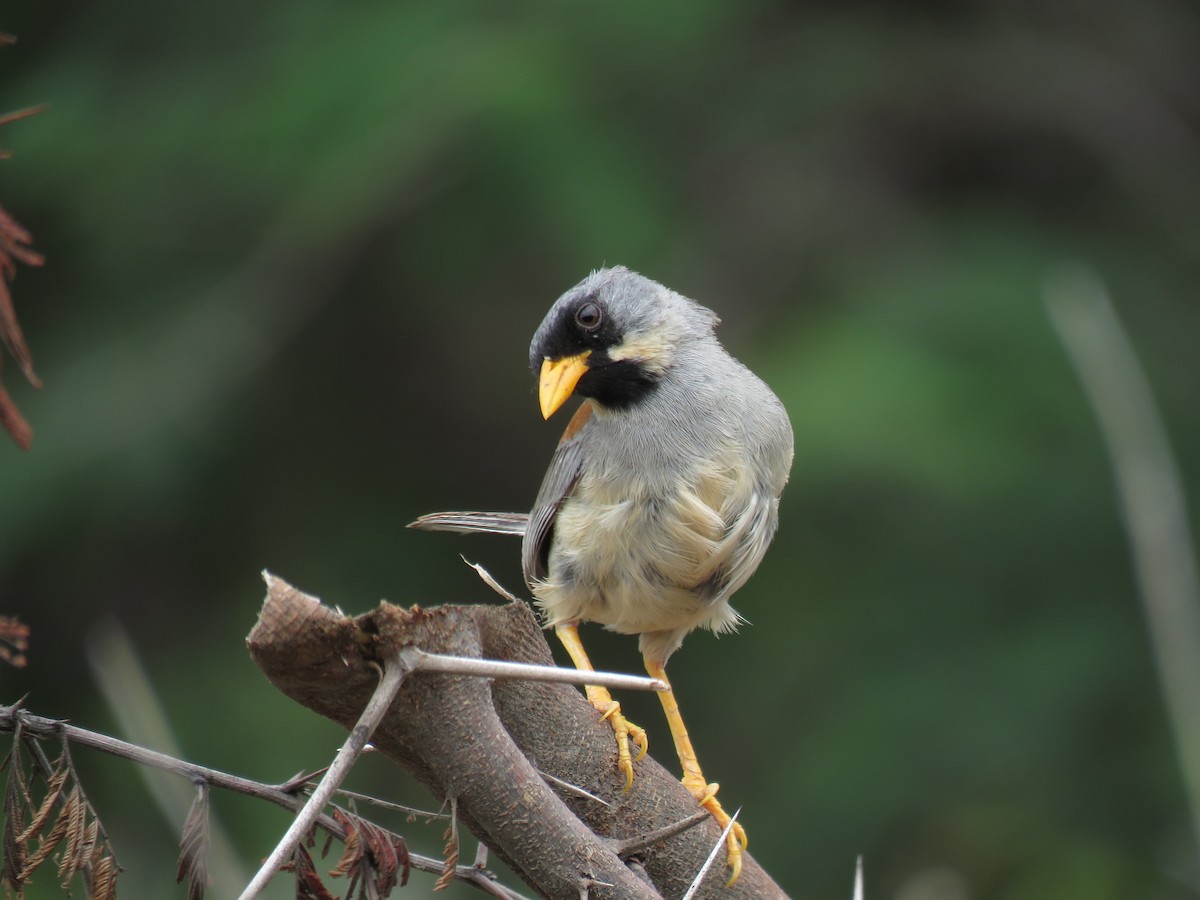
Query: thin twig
[(650, 838), (410, 811), (13, 717), (394, 673), (419, 661), (41, 726), (482, 880), (695, 886), (858, 879), (1152, 500)]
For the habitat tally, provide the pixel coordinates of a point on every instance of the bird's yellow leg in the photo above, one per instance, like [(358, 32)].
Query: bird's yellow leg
[(609, 708), (693, 779)]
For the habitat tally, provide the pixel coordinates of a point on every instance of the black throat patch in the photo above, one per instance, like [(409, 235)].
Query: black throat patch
[(616, 384)]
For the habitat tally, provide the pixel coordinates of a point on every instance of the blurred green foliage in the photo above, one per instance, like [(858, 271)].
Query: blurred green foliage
[(295, 255)]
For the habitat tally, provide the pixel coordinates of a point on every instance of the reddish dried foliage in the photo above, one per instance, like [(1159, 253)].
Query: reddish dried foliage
[(60, 825), (371, 854), (15, 247), (14, 641)]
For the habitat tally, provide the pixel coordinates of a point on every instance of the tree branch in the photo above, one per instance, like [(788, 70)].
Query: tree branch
[(394, 673), (289, 796), (484, 743)]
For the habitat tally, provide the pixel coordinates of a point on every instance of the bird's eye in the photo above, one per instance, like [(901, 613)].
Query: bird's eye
[(588, 316)]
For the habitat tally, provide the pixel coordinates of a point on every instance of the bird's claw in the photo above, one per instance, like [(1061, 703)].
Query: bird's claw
[(735, 844), (735, 840), (639, 737), (623, 731)]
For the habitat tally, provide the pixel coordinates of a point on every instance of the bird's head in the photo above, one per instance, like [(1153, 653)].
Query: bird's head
[(612, 338)]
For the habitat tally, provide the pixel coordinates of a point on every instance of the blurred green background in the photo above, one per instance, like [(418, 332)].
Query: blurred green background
[(296, 253)]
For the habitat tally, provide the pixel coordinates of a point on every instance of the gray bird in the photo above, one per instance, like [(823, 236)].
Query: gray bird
[(663, 493)]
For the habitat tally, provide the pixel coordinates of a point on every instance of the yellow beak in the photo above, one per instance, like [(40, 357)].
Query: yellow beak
[(558, 380)]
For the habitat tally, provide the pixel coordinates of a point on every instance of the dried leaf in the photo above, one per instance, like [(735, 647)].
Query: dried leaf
[(15, 804), (86, 847), (53, 789), (15, 247), (353, 846), (404, 859), (17, 427), (78, 849), (308, 882), (104, 876), (86, 850), (10, 330), (47, 844), (450, 851), (15, 240), (372, 854), (14, 634), (45, 848), (193, 846), (22, 113), (390, 855)]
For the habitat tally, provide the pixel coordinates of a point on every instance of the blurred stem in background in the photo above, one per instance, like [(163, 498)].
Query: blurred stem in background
[(125, 685), (1152, 500)]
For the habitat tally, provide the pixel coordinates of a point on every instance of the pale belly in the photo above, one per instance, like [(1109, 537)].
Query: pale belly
[(642, 564)]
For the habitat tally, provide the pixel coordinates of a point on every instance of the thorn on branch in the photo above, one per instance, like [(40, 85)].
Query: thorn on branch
[(640, 842), (573, 788), (712, 857)]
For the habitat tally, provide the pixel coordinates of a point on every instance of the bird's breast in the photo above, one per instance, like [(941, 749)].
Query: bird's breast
[(640, 558)]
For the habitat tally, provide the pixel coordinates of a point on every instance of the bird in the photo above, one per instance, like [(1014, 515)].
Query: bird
[(661, 497)]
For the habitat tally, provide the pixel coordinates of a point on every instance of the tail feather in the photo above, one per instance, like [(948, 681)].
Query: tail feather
[(472, 522)]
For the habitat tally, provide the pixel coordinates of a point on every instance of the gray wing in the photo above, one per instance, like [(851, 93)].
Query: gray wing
[(560, 478), (753, 529), (470, 522)]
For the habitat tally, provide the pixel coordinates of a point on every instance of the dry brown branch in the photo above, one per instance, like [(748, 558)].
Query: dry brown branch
[(483, 742)]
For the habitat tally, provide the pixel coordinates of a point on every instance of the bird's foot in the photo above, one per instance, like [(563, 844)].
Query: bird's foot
[(735, 840), (623, 730)]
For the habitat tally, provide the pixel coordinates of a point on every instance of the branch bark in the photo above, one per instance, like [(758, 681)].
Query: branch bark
[(484, 742)]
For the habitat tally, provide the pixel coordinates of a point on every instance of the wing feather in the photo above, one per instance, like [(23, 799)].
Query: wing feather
[(470, 522), (560, 479)]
